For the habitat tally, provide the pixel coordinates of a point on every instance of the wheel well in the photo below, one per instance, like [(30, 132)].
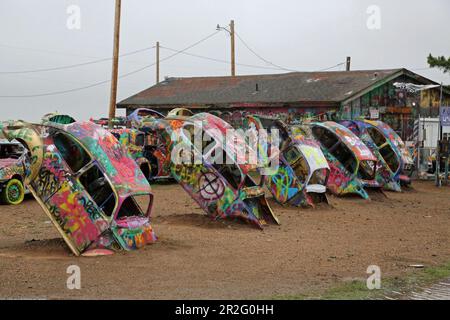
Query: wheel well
[(18, 177), (145, 168)]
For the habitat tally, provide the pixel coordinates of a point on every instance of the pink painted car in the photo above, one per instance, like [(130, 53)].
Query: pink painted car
[(88, 184)]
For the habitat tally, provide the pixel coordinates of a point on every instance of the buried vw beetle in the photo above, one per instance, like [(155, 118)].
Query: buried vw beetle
[(353, 166), (12, 172), (157, 141), (212, 169), (134, 141), (88, 185), (395, 164), (301, 176)]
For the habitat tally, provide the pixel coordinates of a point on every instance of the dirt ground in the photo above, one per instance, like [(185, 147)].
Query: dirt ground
[(195, 257)]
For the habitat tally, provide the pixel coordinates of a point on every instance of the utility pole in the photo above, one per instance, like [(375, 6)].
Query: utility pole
[(233, 52), (347, 65), (157, 62), (115, 65)]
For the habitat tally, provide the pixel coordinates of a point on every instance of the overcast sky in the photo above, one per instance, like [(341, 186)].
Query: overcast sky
[(293, 34)]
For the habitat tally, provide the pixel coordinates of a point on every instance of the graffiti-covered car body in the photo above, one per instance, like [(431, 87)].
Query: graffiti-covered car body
[(87, 183), (394, 161), (222, 186), (157, 141), (12, 172), (222, 189), (135, 142), (139, 114), (352, 164), (301, 175)]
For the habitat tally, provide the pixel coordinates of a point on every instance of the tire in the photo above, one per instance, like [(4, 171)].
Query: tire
[(13, 192)]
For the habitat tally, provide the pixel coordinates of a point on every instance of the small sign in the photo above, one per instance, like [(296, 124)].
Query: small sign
[(374, 113), (444, 116)]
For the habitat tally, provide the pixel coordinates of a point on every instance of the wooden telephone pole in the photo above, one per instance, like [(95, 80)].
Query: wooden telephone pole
[(115, 65), (347, 64), (157, 62), (233, 52)]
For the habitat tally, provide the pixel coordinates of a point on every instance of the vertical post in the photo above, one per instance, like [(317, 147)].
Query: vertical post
[(115, 65), (440, 107), (233, 52), (438, 151), (157, 62), (347, 64)]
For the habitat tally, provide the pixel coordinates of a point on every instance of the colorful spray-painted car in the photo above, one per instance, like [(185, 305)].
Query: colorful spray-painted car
[(223, 188), (139, 114), (395, 164), (12, 171), (88, 185), (301, 176), (157, 141), (353, 166), (135, 141)]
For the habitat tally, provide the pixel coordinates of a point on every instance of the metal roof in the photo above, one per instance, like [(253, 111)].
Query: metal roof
[(328, 87)]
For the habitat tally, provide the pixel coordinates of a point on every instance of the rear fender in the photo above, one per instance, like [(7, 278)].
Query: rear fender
[(27, 135)]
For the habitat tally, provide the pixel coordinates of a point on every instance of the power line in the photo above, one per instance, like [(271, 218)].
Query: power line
[(219, 60), (332, 67), (260, 57), (239, 64), (107, 81), (74, 65)]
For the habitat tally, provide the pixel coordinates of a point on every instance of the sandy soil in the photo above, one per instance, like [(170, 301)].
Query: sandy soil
[(197, 258)]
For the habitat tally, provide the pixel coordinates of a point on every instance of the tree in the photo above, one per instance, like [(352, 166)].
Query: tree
[(441, 62)]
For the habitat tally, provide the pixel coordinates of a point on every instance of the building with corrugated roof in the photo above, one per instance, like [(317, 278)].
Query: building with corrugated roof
[(297, 95)]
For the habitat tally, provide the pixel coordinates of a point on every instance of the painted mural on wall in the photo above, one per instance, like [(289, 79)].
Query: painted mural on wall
[(88, 184)]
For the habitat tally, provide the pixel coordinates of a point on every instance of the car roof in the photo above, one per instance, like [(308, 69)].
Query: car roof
[(117, 164), (361, 151)]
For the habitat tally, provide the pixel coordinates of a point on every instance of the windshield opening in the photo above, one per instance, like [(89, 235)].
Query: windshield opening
[(319, 176), (367, 169), (326, 137), (390, 157), (297, 162), (135, 206), (140, 140), (11, 151), (231, 173), (72, 152), (95, 183), (376, 136), (346, 157)]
